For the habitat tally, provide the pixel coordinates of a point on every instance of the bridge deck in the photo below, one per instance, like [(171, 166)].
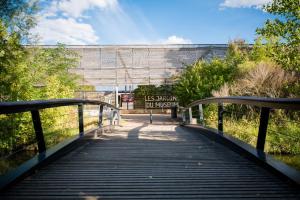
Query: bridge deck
[(158, 161)]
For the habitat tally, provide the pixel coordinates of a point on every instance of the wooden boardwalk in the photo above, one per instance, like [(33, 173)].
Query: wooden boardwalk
[(158, 161)]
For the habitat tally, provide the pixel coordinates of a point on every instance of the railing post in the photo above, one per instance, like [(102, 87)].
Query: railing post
[(119, 117), (190, 115), (183, 116), (111, 116), (36, 119), (80, 119), (201, 118), (100, 123), (151, 117), (263, 126), (220, 117)]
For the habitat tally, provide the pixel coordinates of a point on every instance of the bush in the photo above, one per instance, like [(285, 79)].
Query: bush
[(198, 80), (265, 80)]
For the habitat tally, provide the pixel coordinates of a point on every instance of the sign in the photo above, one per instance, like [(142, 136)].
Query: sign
[(127, 97), (154, 102)]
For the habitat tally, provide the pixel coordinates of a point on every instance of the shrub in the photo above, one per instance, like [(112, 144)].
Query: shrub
[(265, 80)]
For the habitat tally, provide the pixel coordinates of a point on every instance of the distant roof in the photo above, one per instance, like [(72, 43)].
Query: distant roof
[(139, 46)]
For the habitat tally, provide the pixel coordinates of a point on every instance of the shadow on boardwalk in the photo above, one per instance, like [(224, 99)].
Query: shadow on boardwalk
[(151, 161)]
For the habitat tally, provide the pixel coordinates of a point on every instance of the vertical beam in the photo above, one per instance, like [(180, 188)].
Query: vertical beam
[(117, 97), (183, 116), (263, 126), (201, 118), (190, 115), (220, 117), (119, 117), (111, 116), (150, 116), (100, 123), (80, 119), (36, 119)]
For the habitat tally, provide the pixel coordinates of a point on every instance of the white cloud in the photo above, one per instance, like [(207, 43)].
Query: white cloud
[(244, 3), (75, 8), (82, 21), (62, 21), (67, 31), (177, 40)]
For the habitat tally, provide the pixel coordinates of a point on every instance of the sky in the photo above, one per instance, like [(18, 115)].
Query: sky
[(104, 22)]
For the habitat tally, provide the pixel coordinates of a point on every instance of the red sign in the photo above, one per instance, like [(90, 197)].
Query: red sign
[(127, 97)]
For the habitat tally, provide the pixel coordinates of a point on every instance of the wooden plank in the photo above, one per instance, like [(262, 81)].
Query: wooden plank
[(174, 164)]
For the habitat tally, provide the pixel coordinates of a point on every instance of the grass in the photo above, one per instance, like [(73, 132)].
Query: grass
[(283, 135)]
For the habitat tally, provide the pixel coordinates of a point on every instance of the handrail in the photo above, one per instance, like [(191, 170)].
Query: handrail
[(264, 103), (45, 154), (23, 106), (35, 106), (277, 103)]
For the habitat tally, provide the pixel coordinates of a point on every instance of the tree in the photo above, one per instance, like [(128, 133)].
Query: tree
[(14, 78), (283, 33), (200, 79), (19, 17), (30, 73), (50, 72)]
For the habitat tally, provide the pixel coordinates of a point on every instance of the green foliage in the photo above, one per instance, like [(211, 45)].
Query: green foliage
[(29, 74), (144, 90), (283, 33), (245, 72), (198, 80), (19, 16), (14, 79), (86, 88), (49, 69)]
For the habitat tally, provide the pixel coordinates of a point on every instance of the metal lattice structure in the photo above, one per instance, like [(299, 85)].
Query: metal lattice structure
[(132, 65)]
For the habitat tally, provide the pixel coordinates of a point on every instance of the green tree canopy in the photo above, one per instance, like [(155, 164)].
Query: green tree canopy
[(283, 33), (19, 17)]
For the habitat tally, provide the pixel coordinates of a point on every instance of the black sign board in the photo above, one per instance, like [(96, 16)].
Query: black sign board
[(160, 101)]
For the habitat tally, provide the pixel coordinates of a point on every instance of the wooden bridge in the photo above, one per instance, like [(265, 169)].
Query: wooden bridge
[(139, 160)]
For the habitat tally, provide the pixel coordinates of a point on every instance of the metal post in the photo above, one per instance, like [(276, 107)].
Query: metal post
[(183, 116), (201, 114), (111, 116), (117, 98), (119, 117), (80, 119), (263, 126), (220, 117), (150, 116), (100, 124), (190, 115), (36, 119)]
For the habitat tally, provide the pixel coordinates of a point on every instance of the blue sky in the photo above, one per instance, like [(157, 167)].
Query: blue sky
[(149, 21)]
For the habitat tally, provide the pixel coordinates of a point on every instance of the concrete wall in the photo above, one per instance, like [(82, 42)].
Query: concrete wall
[(132, 65)]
